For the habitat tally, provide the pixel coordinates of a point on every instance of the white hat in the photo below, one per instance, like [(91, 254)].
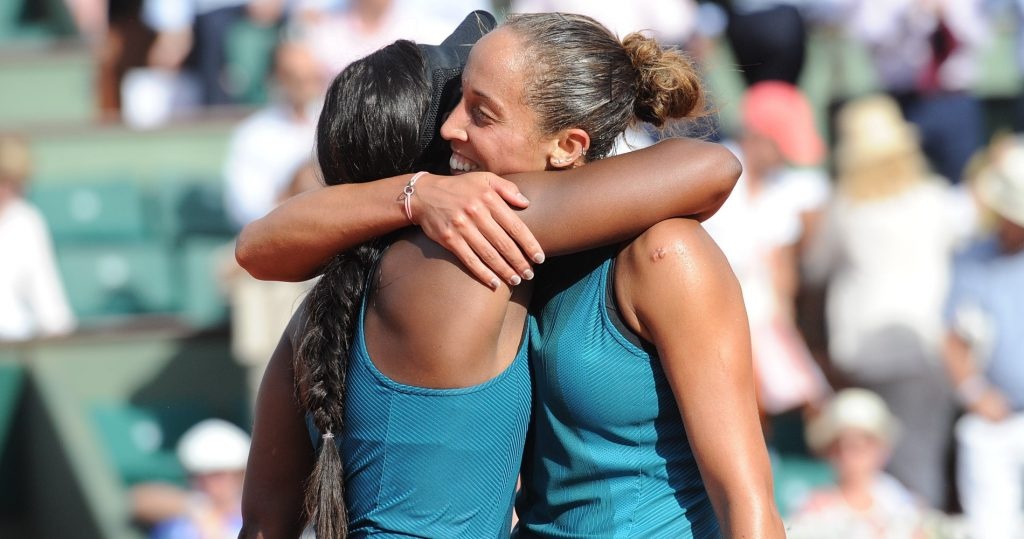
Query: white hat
[(213, 445), (852, 408), (1001, 184)]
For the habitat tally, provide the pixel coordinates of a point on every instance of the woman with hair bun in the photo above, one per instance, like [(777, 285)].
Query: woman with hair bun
[(644, 420)]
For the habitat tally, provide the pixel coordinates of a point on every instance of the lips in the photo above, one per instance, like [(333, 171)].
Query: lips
[(460, 163)]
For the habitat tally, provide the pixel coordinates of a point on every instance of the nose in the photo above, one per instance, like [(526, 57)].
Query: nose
[(454, 128)]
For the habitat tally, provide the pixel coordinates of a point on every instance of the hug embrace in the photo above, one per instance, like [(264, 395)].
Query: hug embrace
[(439, 374)]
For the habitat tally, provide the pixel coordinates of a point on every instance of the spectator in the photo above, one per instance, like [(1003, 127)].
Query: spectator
[(213, 453), (758, 229), (121, 42), (985, 354), (32, 300), (886, 248), (926, 57), (855, 433), (364, 26), (192, 34), (260, 310), (268, 147)]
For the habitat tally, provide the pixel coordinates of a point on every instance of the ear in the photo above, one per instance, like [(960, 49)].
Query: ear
[(570, 149)]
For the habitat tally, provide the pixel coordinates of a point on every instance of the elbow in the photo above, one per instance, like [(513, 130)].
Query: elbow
[(245, 254), (726, 172), (722, 173)]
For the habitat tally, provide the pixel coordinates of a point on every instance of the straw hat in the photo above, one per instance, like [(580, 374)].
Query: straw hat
[(1001, 184), (852, 408), (780, 112), (213, 445), (872, 129)]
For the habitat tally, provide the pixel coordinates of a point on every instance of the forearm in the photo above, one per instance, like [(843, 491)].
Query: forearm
[(617, 198), (308, 229), (752, 517)]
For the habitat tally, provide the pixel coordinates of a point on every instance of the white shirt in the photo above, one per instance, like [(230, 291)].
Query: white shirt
[(264, 152), (889, 264), (32, 300)]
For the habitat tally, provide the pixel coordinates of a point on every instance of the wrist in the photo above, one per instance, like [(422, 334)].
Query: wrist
[(405, 198)]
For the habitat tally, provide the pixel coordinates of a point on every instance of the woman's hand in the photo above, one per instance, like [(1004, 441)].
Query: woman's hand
[(471, 215)]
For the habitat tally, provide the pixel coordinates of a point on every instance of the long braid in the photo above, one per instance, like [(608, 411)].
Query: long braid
[(331, 310), (368, 129)]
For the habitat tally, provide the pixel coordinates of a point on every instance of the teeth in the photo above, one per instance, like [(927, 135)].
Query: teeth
[(460, 164)]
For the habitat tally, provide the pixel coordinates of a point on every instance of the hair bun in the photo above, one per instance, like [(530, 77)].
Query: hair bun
[(668, 85)]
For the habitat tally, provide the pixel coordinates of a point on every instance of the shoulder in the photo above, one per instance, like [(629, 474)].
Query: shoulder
[(673, 259), (673, 246)]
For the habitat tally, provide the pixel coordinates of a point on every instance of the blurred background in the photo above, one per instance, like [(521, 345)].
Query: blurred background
[(137, 137)]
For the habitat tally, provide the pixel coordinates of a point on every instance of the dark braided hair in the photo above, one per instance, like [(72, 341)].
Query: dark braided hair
[(368, 129)]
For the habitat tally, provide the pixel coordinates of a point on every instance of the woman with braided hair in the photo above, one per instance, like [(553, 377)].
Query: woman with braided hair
[(431, 426)]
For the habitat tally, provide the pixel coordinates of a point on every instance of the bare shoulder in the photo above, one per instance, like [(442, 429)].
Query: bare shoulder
[(674, 246), (672, 273)]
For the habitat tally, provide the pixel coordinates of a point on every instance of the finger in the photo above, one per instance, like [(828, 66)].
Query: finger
[(509, 191), (469, 259), (490, 256), (504, 244), (516, 229)]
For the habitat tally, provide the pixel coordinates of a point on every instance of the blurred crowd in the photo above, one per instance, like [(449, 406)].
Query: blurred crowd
[(881, 258)]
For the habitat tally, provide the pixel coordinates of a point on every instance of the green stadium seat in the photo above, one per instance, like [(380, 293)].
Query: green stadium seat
[(249, 50), (118, 279), (204, 302), (101, 211), (190, 208), (135, 441)]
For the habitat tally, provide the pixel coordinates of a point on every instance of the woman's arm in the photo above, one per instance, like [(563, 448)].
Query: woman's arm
[(676, 289), (281, 455), (293, 241), (617, 198), (598, 204)]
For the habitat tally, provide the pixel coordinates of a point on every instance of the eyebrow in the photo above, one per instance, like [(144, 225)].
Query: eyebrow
[(493, 103)]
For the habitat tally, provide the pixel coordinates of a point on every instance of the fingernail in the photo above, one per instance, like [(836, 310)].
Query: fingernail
[(515, 280), (522, 198), (538, 258), (495, 282), (528, 275)]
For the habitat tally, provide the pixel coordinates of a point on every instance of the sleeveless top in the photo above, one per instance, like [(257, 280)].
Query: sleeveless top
[(607, 454), (431, 463)]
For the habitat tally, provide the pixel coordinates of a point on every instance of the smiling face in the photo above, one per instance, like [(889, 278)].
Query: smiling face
[(492, 128)]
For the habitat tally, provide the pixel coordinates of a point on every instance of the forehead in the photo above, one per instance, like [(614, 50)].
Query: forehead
[(495, 61)]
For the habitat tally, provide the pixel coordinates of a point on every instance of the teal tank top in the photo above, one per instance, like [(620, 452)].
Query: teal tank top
[(431, 463), (607, 454)]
